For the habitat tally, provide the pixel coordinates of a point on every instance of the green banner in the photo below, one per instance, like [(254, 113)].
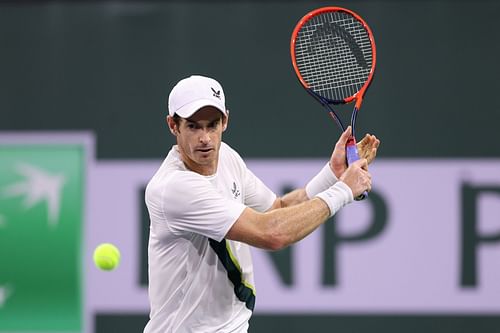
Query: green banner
[(41, 219)]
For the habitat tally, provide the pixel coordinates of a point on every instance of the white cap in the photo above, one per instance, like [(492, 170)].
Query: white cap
[(192, 93)]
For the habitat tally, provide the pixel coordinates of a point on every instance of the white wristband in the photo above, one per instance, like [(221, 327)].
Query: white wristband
[(322, 181), (336, 196)]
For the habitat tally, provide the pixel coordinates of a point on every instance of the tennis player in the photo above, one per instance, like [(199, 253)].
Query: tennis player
[(207, 208)]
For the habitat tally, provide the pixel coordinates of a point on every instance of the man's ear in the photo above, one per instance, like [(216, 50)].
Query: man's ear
[(172, 126), (225, 120)]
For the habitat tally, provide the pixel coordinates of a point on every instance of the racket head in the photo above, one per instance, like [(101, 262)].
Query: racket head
[(333, 54)]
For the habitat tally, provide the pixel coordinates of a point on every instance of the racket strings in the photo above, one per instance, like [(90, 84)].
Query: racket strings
[(334, 55)]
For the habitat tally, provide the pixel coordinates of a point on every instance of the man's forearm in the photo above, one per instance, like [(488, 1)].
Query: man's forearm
[(290, 199)]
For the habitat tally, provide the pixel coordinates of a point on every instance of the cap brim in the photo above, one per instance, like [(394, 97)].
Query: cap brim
[(189, 109)]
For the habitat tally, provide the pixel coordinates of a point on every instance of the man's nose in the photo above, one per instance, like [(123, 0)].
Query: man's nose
[(204, 136)]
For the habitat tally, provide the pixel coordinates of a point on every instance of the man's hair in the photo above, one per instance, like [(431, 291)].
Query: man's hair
[(177, 119)]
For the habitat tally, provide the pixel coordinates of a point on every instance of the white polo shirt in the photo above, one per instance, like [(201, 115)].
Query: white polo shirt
[(199, 281)]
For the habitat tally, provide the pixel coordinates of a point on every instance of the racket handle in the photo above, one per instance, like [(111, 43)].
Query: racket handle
[(353, 156)]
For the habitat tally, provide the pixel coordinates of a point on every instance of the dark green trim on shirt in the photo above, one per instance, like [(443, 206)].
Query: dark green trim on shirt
[(242, 290)]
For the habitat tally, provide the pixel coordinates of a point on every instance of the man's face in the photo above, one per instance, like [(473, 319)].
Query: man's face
[(199, 139)]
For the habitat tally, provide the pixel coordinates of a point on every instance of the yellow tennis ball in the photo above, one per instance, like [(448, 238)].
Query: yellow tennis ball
[(106, 256)]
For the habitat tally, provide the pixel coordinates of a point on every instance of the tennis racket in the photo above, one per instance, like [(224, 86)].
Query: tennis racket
[(333, 54)]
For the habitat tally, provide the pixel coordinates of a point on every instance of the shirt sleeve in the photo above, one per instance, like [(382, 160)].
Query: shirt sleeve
[(192, 204), (257, 195)]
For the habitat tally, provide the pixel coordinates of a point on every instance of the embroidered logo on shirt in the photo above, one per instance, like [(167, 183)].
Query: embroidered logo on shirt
[(236, 192)]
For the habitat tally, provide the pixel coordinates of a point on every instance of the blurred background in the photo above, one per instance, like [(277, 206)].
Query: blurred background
[(83, 96)]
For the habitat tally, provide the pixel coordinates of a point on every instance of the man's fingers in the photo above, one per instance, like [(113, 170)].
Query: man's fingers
[(362, 163), (365, 140), (368, 147), (345, 135), (342, 141)]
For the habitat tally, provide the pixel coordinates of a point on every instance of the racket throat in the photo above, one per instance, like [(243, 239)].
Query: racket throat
[(354, 116)]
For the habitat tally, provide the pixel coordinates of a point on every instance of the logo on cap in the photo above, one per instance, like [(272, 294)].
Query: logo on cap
[(216, 93)]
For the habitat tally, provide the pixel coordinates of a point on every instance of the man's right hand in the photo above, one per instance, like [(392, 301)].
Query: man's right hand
[(357, 177)]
